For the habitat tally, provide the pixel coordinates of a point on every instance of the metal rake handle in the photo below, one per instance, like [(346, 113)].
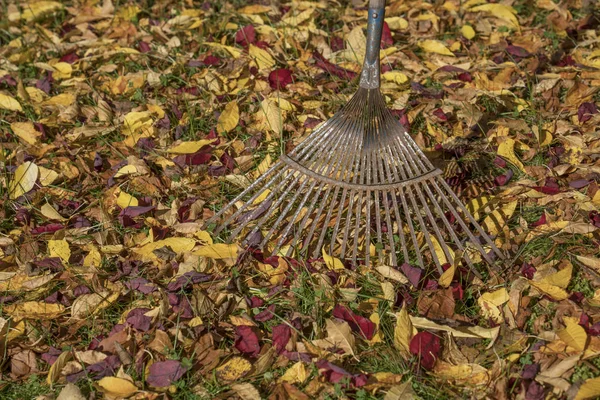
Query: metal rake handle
[(369, 78)]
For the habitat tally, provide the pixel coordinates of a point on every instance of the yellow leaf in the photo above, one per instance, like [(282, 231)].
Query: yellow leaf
[(435, 46), (190, 147), (255, 9), (500, 11), (573, 335), (392, 273), (117, 387), (93, 258), (126, 200), (550, 290), (591, 262), (339, 334), (397, 23), (476, 204), (50, 212), (26, 132), (562, 277), (39, 9), (396, 77), (63, 100), (47, 176), (136, 121), (332, 262), (491, 301), (446, 277), (229, 118), (467, 31), (403, 332), (356, 44), (277, 274), (9, 103), (89, 304), (24, 180), (62, 70), (261, 57), (60, 249), (272, 115), (34, 309), (177, 244), (506, 149), (235, 53), (589, 390), (218, 251), (204, 237), (233, 370), (58, 366), (498, 219), (377, 336), (295, 374)]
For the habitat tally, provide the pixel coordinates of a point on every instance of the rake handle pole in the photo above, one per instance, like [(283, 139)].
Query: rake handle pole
[(369, 77)]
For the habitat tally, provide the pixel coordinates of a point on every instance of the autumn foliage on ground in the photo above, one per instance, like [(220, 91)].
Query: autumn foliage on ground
[(125, 125)]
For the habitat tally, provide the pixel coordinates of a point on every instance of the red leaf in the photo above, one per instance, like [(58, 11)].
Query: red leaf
[(585, 111), (281, 336), (280, 78), (245, 36), (540, 221), (333, 69), (246, 341), (164, 373), (427, 346), (386, 37), (364, 326), (143, 47), (413, 274)]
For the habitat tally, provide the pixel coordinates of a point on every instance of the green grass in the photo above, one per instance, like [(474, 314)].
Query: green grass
[(29, 389)]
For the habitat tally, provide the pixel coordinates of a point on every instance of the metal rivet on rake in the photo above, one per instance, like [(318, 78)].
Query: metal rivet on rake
[(358, 184)]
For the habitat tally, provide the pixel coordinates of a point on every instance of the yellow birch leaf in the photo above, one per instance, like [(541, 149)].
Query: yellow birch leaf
[(57, 367), (126, 200), (467, 31), (590, 262), (204, 237), (560, 278), (177, 244), (397, 23), (254, 9), (93, 258), (498, 219), (229, 118), (218, 251), (9, 103), (491, 301), (377, 336), (550, 290), (234, 52), (506, 149), (332, 262), (62, 70), (60, 249), (589, 390), (39, 9), (447, 276), (261, 57), (392, 273), (233, 370), (573, 335), (396, 77), (34, 310), (476, 204), (47, 176), (126, 170), (295, 374), (357, 44), (272, 115), (135, 121), (50, 212), (435, 46), (63, 99), (26, 132), (117, 387), (500, 11), (403, 332), (24, 180), (190, 147)]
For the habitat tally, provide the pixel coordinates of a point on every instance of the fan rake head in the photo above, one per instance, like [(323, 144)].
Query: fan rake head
[(358, 187)]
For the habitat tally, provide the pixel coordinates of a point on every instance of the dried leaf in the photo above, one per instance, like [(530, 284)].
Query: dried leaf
[(117, 387), (435, 46), (24, 180), (9, 103), (229, 118)]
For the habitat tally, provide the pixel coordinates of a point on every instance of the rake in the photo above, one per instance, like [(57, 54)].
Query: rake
[(358, 187)]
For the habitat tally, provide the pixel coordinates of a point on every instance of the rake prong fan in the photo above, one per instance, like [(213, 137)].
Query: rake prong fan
[(358, 181)]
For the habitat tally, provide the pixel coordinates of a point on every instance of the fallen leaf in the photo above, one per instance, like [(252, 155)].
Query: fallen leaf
[(233, 370), (117, 387), (9, 103), (24, 180), (435, 46), (229, 118), (332, 262)]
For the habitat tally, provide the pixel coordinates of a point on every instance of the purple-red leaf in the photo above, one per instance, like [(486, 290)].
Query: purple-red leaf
[(517, 51), (585, 111), (245, 36), (246, 341), (164, 373), (386, 36), (280, 78), (427, 347), (359, 324), (281, 336), (333, 69), (413, 274)]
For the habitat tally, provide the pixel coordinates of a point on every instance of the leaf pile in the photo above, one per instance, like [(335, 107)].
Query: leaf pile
[(124, 128)]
